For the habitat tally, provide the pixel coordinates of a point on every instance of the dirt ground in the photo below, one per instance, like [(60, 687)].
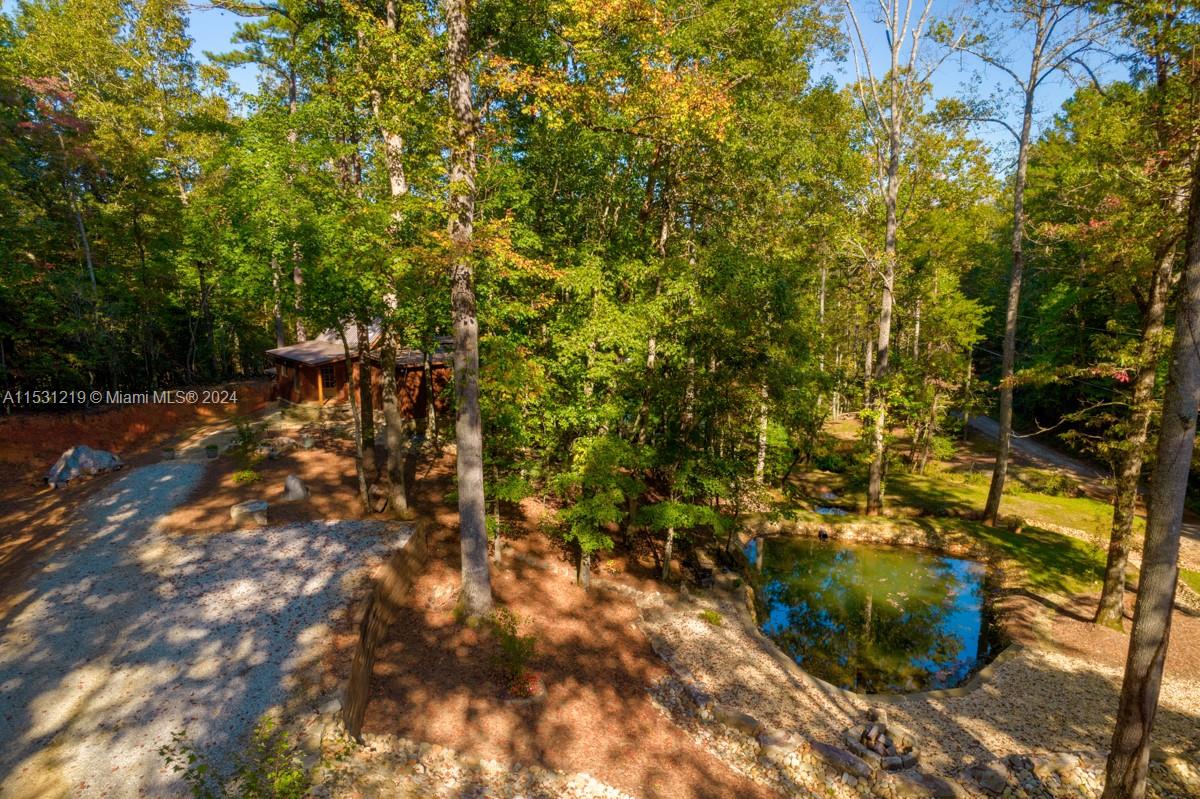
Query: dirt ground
[(436, 680), (327, 469)]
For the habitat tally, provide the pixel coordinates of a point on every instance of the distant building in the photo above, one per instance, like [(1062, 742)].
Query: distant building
[(315, 371)]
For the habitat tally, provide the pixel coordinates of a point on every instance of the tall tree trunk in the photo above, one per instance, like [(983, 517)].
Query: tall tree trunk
[(351, 392), (891, 192), (883, 342), (366, 402), (431, 428), (760, 464), (583, 570), (498, 541), (77, 212), (991, 510), (1129, 756), (207, 317), (298, 282), (280, 336), (1111, 609), (476, 581), (916, 342), (879, 391), (394, 471), (667, 550), (87, 249)]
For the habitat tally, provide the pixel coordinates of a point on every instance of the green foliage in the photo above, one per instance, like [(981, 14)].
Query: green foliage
[(270, 768), (596, 489), (711, 616), (831, 461), (246, 477), (1191, 578), (679, 515), (247, 435), (516, 650), (1048, 481)]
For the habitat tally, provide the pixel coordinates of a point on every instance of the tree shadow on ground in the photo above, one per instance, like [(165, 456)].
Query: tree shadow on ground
[(128, 636), (435, 679)]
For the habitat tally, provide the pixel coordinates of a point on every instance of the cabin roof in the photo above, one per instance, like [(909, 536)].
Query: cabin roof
[(311, 353), (327, 348)]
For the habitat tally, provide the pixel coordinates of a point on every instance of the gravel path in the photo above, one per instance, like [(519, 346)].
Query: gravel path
[(124, 636), (1047, 457), (1038, 701), (1044, 456)]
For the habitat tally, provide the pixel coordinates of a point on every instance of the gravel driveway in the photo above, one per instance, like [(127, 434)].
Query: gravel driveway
[(125, 635), (1046, 457)]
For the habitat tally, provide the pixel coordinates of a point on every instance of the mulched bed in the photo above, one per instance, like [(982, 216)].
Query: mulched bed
[(1075, 635), (327, 469), (436, 679)]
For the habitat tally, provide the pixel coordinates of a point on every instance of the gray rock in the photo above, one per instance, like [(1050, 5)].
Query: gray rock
[(916, 784), (307, 442), (253, 509), (294, 489), (81, 460), (736, 719), (775, 744), (1058, 763), (871, 757), (893, 763), (841, 760), (992, 777)]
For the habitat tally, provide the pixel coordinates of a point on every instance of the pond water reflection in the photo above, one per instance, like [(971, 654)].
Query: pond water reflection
[(874, 619)]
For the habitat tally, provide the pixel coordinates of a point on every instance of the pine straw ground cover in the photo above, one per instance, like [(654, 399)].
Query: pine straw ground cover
[(436, 681)]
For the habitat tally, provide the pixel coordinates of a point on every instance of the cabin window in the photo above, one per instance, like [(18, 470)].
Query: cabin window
[(327, 380)]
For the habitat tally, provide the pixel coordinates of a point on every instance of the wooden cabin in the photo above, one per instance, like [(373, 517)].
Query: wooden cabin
[(316, 371)]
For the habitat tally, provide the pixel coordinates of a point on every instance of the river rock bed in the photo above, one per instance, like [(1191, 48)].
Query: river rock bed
[(399, 768)]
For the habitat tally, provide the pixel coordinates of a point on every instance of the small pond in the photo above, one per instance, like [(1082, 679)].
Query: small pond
[(877, 619)]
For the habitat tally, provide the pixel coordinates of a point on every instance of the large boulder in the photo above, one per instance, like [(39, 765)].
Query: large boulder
[(81, 460), (254, 510), (294, 489)]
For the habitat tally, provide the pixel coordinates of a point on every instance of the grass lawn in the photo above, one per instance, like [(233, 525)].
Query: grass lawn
[(1191, 578), (936, 492)]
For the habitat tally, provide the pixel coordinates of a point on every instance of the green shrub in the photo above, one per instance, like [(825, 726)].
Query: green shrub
[(246, 476), (712, 617), (516, 650), (1051, 483), (830, 462), (247, 434), (941, 448), (247, 438), (269, 768), (974, 478)]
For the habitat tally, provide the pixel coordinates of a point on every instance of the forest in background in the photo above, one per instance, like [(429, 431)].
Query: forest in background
[(679, 243), (680, 237), (668, 254)]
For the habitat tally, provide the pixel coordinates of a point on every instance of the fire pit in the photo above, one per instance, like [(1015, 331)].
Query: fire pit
[(884, 746)]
